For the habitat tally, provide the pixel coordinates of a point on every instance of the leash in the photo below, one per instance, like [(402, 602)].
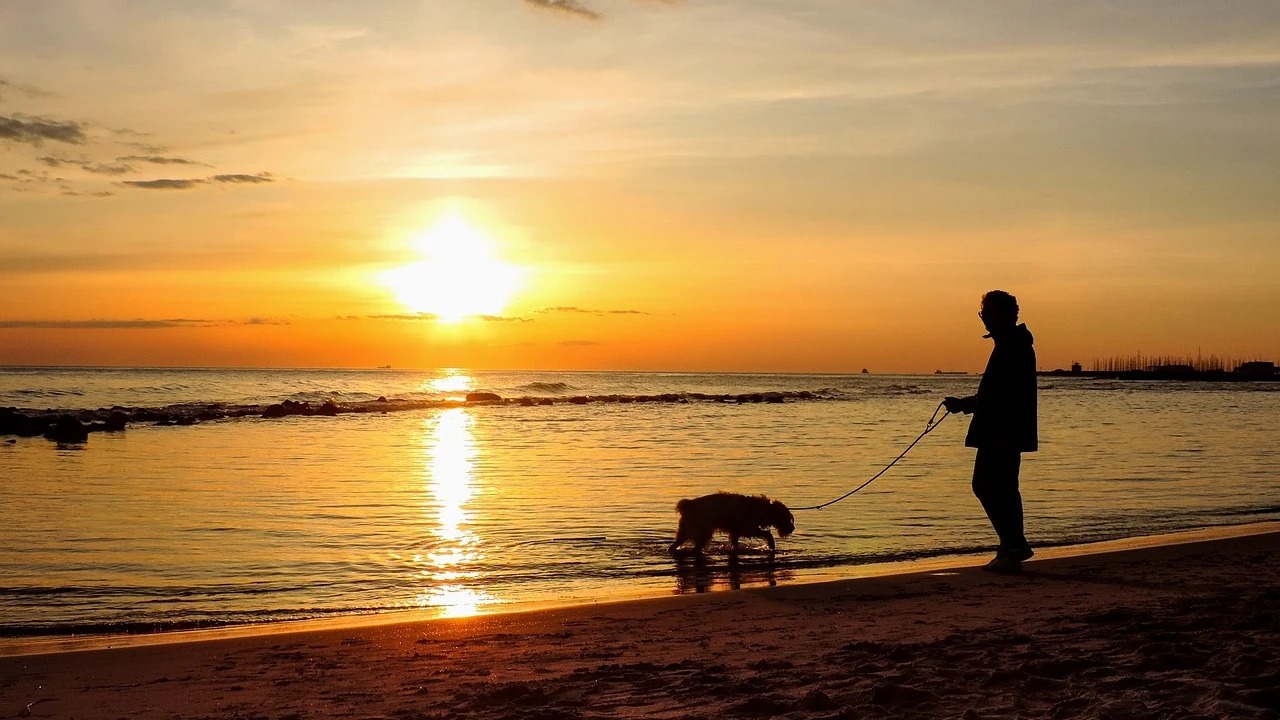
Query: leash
[(934, 422)]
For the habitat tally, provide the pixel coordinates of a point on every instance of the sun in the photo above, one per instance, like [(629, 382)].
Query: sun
[(460, 274)]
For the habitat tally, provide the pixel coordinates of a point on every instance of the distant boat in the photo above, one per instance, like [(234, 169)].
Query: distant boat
[(865, 371), (384, 367), (950, 372)]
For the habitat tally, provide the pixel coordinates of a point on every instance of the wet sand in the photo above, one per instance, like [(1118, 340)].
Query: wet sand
[(1184, 630)]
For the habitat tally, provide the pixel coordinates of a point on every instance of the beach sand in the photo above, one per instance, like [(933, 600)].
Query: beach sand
[(1184, 630)]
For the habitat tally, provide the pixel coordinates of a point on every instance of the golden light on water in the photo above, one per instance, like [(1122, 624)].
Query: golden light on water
[(451, 450), (453, 381), (460, 274)]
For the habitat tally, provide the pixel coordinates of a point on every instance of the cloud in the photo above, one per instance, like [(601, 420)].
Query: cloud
[(240, 178), (585, 311), (189, 183), (165, 183), (433, 316), (104, 324), (579, 343), (135, 324), (150, 148), (156, 160), (87, 165), (30, 91), (408, 316), (33, 180), (573, 7), (34, 131)]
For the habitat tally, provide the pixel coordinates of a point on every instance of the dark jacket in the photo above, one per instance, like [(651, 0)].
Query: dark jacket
[(1005, 406)]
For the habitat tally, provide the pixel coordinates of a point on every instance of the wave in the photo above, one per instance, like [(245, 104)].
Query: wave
[(48, 392), (905, 390), (549, 387)]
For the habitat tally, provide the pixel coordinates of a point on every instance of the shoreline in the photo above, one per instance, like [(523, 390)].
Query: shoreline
[(1178, 627), (25, 646)]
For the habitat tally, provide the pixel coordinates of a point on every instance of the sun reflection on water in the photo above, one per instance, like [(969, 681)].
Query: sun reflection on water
[(456, 553), (453, 383)]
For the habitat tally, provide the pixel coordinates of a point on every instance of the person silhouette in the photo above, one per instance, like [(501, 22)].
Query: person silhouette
[(1003, 426)]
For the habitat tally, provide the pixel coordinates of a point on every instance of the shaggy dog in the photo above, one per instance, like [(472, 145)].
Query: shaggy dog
[(737, 516)]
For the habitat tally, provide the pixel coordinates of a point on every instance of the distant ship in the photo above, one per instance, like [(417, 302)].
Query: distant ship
[(384, 367), (865, 371), (950, 372)]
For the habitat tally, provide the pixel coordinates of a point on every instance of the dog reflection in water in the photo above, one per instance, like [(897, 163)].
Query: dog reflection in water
[(738, 516), (695, 575)]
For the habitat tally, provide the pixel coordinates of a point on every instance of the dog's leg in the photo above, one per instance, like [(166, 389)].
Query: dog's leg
[(767, 537), (681, 536), (700, 541)]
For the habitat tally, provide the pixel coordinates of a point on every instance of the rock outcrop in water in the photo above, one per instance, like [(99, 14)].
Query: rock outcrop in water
[(67, 429), (76, 426)]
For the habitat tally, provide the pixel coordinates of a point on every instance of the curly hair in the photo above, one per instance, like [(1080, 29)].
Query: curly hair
[(999, 299)]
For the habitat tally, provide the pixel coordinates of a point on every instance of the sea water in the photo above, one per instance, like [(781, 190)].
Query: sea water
[(464, 509)]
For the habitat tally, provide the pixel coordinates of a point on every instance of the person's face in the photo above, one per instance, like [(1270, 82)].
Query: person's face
[(995, 318)]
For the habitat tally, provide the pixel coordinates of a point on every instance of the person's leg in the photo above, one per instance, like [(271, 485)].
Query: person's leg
[(995, 483), (1012, 534)]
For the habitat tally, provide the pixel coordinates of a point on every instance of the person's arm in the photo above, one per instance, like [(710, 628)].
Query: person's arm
[(960, 405)]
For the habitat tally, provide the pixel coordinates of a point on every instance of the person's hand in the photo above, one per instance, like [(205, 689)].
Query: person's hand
[(953, 404)]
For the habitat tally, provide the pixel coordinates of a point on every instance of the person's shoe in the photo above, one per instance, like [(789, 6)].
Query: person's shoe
[(1004, 565)]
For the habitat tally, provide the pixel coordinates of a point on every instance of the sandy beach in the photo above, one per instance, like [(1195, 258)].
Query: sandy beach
[(1184, 629)]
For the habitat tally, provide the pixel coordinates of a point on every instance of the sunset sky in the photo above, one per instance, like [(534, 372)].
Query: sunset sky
[(793, 185)]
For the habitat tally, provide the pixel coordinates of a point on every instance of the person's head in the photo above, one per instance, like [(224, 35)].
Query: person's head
[(999, 310)]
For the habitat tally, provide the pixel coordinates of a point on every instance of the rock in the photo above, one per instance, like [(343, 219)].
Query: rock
[(578, 400), (67, 429), (483, 397), (328, 408), (382, 398), (527, 402), (13, 422), (774, 398), (276, 411), (546, 401), (115, 422)]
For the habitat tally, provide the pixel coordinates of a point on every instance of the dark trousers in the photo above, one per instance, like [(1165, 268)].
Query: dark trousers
[(995, 482)]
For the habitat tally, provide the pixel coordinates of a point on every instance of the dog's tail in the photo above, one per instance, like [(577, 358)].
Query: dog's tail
[(683, 505)]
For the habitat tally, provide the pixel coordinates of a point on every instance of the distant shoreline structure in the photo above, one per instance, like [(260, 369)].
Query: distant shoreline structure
[(1199, 369)]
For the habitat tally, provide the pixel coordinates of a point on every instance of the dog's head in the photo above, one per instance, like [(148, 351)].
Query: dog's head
[(780, 517)]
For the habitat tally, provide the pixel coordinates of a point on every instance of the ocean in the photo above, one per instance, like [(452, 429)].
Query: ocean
[(456, 509)]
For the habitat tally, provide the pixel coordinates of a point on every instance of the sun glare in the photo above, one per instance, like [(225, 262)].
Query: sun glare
[(460, 274)]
